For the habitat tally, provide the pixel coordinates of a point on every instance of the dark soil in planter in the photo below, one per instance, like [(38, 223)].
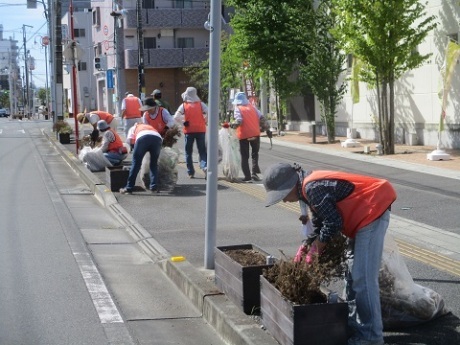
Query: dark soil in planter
[(247, 257)]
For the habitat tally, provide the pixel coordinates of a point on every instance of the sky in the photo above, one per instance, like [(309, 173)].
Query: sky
[(13, 15)]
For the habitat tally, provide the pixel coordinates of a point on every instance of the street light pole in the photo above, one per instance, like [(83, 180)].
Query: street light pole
[(26, 70), (140, 50)]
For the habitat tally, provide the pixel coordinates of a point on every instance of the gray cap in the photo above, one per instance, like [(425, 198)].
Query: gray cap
[(279, 179), (155, 92), (102, 125)]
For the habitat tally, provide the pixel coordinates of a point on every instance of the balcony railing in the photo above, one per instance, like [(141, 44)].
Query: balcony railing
[(168, 18), (166, 58)]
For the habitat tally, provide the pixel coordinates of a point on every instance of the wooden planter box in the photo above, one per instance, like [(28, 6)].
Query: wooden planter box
[(116, 177), (64, 138), (313, 324), (240, 283)]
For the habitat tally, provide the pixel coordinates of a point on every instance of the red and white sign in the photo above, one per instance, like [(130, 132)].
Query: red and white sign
[(45, 40)]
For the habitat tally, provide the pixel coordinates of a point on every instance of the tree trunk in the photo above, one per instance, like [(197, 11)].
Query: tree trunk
[(391, 124)]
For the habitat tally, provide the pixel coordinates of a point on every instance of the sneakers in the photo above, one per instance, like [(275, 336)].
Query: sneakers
[(255, 177), (146, 181), (125, 191), (191, 176), (247, 180), (155, 190)]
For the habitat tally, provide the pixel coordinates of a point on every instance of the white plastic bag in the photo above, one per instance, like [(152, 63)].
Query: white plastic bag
[(94, 159), (403, 302), (167, 169), (231, 159)]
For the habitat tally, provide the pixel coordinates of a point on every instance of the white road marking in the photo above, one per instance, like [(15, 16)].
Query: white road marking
[(105, 307)]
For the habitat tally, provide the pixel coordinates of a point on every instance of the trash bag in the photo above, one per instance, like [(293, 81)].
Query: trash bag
[(403, 302), (231, 159), (94, 159), (167, 169)]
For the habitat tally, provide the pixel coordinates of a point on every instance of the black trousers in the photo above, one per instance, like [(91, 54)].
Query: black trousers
[(244, 150)]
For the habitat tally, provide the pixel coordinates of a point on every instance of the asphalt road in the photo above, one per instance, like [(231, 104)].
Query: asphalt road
[(44, 297)]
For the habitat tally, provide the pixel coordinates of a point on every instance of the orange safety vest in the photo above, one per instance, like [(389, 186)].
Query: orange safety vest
[(194, 115), (132, 108), (250, 127), (103, 115), (117, 144), (370, 198), (142, 127), (158, 122)]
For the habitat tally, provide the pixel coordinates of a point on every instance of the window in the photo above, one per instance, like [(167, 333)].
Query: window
[(185, 42), (148, 4), (81, 66), (150, 43), (98, 50), (183, 4), (349, 62), (79, 32), (97, 17)]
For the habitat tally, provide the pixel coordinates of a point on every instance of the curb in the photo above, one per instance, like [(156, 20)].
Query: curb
[(228, 321)]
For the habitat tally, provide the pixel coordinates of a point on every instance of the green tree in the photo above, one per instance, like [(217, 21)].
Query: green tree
[(4, 99), (384, 35), (42, 94), (323, 66), (266, 36), (230, 70)]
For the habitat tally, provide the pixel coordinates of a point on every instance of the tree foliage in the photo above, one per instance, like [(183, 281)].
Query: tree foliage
[(42, 94), (384, 35), (323, 66), (230, 71), (266, 36)]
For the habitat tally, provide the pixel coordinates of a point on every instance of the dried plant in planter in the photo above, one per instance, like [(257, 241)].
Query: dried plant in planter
[(301, 283)]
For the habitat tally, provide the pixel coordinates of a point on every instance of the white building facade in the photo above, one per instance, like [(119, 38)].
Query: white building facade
[(417, 102)]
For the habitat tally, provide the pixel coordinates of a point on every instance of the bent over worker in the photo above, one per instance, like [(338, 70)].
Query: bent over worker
[(358, 206), (145, 139)]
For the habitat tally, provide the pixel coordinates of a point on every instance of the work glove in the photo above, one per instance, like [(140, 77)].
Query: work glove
[(186, 123), (307, 250), (301, 253), (234, 125), (269, 133)]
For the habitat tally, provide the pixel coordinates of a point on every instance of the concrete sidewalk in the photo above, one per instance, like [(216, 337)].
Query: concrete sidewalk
[(198, 285)]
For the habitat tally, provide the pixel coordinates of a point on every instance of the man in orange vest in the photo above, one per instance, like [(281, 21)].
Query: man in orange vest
[(357, 206), (111, 145), (145, 139), (193, 115), (130, 111), (248, 121)]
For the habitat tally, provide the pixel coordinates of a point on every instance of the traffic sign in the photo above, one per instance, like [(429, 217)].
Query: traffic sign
[(45, 40)]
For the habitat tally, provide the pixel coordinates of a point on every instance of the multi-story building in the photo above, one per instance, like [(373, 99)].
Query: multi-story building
[(10, 76), (84, 78), (146, 44)]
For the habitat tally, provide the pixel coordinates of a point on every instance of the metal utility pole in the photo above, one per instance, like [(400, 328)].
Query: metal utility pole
[(74, 76), (26, 69), (213, 128), (140, 50), (57, 48)]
